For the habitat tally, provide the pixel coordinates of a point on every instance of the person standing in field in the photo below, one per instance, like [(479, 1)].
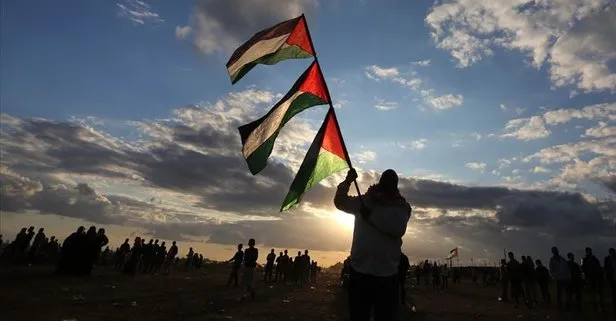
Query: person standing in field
[(542, 275), (559, 270), (382, 215), (250, 263), (269, 266), (237, 261)]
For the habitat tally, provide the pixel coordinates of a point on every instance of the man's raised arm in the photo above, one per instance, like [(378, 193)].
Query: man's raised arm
[(344, 202)]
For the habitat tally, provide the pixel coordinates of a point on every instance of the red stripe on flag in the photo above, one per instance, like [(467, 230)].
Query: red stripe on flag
[(332, 140), (314, 83), (299, 36)]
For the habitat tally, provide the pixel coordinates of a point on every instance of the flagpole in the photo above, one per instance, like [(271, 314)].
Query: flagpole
[(331, 106)]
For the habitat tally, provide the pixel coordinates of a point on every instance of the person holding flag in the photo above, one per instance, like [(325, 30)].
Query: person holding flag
[(381, 216)]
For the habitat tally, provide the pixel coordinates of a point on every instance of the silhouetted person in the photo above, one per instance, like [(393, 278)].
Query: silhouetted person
[(504, 279), (381, 217), (102, 242), (610, 272), (594, 278), (121, 254), (436, 276), (542, 275), (297, 268), (37, 245), (269, 266), (286, 267), (576, 281), (427, 271), (1, 241), (72, 249), (132, 258), (559, 269), (279, 268), (403, 269), (306, 266), (189, 258), (237, 261), (171, 256), (528, 274), (515, 276), (250, 263), (445, 276), (161, 253)]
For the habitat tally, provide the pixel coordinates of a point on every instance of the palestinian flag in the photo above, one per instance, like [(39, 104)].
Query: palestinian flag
[(259, 136), (326, 156), (286, 40), (453, 253)]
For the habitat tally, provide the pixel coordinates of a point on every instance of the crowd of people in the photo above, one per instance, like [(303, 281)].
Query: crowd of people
[(520, 280), (30, 248), (278, 269)]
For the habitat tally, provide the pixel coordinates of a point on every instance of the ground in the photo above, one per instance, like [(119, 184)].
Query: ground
[(32, 293)]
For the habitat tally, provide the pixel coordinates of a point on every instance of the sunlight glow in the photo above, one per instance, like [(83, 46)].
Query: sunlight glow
[(345, 220)]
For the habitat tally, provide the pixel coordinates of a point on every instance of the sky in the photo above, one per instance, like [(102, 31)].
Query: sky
[(498, 115)]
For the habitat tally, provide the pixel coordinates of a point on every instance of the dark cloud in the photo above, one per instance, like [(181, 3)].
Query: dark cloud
[(609, 182), (198, 154)]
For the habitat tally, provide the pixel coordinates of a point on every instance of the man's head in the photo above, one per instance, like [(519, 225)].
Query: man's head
[(538, 262), (286, 252), (273, 252), (612, 252), (306, 252), (41, 230), (156, 242), (588, 251), (510, 255), (280, 253), (101, 231), (570, 256), (251, 242), (555, 251), (388, 181), (503, 261), (162, 244), (80, 229), (31, 229), (173, 243), (126, 241)]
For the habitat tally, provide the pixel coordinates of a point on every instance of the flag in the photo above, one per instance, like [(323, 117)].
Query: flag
[(326, 156), (259, 136), (286, 40), (453, 253)]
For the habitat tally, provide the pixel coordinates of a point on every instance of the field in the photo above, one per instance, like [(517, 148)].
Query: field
[(32, 293)]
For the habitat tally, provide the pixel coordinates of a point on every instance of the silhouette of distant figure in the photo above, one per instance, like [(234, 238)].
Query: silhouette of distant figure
[(576, 282), (237, 261), (269, 265), (594, 278), (173, 251), (381, 215), (504, 279), (305, 267), (250, 263), (445, 276), (528, 276), (297, 268), (427, 271), (279, 268), (559, 269), (189, 258), (610, 272), (132, 258), (1, 241), (542, 275), (436, 276), (403, 268), (121, 254), (286, 267), (72, 249), (37, 245), (514, 268)]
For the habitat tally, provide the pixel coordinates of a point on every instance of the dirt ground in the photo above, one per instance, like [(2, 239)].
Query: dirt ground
[(32, 293)]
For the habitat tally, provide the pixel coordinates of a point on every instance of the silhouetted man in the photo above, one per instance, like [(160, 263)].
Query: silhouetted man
[(237, 261), (189, 258), (576, 282), (528, 274), (306, 267), (381, 217), (505, 279), (173, 251), (286, 267), (278, 268), (297, 268), (250, 263), (269, 266), (610, 271), (515, 276), (121, 254), (542, 275), (403, 269), (594, 278), (71, 252), (39, 242), (559, 270)]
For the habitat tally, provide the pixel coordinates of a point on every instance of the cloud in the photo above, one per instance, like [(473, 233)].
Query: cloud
[(573, 38), (422, 63), (386, 105), (220, 26), (182, 32), (602, 130), (476, 165), (392, 74), (419, 144), (139, 12), (365, 156), (539, 169), (183, 177), (446, 101), (503, 107), (565, 115), (526, 128)]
